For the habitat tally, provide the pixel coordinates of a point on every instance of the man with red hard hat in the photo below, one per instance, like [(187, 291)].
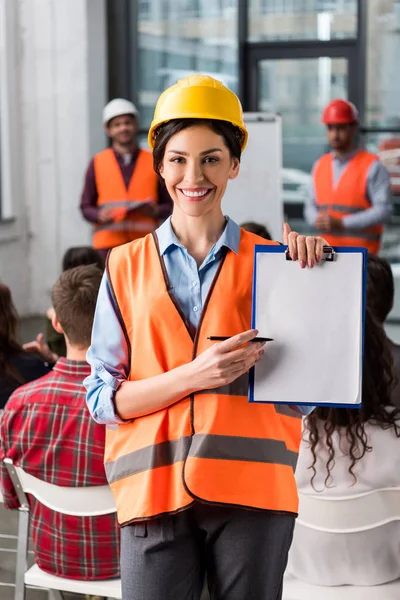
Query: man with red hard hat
[(350, 199)]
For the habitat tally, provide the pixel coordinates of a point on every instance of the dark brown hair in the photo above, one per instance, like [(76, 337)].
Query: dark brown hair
[(257, 228), (74, 297), (378, 382), (231, 135), (9, 344), (380, 287), (81, 255)]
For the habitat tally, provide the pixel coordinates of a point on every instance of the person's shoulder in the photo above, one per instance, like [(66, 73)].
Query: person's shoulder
[(362, 153), (25, 358), (30, 366), (101, 160), (376, 168), (369, 160), (31, 390), (324, 159), (252, 239), (123, 253), (105, 152)]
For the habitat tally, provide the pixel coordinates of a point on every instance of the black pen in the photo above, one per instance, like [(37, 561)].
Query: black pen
[(222, 338)]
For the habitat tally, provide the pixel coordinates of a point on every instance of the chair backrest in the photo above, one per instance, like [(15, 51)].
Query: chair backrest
[(77, 501), (350, 514)]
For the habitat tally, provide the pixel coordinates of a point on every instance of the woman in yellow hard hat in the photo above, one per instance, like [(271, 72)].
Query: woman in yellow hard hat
[(203, 480)]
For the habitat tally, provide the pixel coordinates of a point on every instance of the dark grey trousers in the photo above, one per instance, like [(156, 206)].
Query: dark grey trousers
[(243, 552)]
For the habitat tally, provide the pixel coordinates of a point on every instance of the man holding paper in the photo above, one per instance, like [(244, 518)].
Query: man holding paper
[(122, 195), (350, 198)]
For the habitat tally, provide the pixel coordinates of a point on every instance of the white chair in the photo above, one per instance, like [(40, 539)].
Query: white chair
[(82, 502), (348, 514)]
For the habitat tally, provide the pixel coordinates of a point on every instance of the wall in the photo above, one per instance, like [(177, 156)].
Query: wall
[(55, 78), (13, 226)]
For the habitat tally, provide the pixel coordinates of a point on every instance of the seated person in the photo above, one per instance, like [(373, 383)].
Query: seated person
[(52, 345), (46, 429), (380, 294), (347, 452), (257, 228), (16, 366)]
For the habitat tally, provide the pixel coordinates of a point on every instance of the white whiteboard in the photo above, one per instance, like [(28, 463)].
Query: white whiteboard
[(256, 194)]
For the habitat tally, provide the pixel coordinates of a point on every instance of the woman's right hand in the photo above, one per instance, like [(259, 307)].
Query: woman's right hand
[(226, 361)]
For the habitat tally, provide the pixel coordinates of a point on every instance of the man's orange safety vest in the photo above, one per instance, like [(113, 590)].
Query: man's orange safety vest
[(127, 225), (349, 196), (213, 446)]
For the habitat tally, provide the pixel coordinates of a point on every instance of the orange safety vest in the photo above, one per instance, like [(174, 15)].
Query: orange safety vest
[(214, 445), (127, 225), (347, 197)]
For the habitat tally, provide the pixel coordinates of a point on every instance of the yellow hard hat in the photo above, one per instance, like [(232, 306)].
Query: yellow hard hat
[(198, 97)]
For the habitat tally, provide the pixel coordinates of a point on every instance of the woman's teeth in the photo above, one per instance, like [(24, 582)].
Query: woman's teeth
[(192, 194)]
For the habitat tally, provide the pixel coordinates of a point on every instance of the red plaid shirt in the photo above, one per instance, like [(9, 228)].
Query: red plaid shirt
[(47, 430)]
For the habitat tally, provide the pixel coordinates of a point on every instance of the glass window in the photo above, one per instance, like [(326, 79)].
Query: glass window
[(272, 20), (299, 89), (181, 37), (383, 52)]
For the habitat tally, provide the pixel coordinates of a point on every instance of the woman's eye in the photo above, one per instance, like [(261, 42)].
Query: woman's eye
[(211, 159), (177, 159)]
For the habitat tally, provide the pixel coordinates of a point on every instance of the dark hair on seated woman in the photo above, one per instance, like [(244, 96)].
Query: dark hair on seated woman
[(378, 382), (78, 256), (9, 344), (231, 134), (380, 287)]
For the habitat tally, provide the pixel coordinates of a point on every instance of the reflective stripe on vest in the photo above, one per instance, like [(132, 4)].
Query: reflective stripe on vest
[(348, 196), (214, 445), (203, 446), (113, 194)]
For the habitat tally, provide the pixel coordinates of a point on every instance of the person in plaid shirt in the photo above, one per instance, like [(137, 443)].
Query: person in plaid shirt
[(46, 429)]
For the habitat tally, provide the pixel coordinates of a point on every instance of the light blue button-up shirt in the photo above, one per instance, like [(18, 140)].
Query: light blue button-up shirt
[(108, 354), (378, 193)]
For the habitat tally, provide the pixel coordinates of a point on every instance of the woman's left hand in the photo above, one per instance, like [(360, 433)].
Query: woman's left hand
[(307, 249)]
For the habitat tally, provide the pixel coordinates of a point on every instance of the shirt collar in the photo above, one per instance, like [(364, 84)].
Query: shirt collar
[(346, 157), (230, 237), (72, 368)]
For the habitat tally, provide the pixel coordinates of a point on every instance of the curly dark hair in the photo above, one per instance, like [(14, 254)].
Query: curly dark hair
[(380, 287), (378, 382)]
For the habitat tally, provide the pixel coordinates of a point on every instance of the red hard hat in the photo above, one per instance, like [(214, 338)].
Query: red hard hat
[(340, 111)]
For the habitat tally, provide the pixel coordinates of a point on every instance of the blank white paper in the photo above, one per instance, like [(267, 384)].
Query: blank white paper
[(315, 318)]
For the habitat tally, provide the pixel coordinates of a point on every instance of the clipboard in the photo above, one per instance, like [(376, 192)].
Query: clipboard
[(316, 318)]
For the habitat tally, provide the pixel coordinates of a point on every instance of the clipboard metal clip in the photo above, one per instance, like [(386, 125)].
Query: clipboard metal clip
[(329, 254)]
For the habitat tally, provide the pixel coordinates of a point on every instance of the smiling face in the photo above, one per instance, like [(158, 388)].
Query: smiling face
[(123, 129), (196, 168)]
